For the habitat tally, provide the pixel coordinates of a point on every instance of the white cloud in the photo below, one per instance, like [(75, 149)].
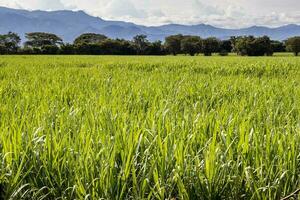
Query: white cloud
[(123, 8), (223, 13), (34, 4)]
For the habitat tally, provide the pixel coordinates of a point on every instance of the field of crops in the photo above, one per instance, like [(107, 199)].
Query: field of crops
[(90, 127)]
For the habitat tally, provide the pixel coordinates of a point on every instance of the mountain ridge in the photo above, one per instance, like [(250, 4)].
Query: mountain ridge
[(70, 24)]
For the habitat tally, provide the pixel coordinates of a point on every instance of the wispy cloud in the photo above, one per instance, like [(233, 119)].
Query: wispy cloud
[(224, 13)]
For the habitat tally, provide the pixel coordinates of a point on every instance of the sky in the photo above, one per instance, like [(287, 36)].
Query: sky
[(221, 13)]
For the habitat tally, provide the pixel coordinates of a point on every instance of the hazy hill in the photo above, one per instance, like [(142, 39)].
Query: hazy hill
[(69, 24)]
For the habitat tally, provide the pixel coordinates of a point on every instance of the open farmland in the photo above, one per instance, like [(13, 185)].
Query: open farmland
[(108, 127)]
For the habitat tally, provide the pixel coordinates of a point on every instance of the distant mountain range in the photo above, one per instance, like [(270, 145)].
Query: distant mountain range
[(70, 24)]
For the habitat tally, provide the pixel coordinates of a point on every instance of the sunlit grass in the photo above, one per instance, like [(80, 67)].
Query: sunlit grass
[(88, 127)]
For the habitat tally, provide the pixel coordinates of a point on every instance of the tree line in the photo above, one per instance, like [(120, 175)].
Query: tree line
[(98, 44)]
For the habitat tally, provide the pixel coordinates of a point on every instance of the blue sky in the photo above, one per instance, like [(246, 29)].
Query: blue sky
[(222, 13)]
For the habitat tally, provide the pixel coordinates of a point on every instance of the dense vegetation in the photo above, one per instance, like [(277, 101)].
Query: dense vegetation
[(149, 127), (98, 44)]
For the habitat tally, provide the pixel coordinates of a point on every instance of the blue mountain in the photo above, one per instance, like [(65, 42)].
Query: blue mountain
[(70, 24)]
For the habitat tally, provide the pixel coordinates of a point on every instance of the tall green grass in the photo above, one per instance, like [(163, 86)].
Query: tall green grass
[(84, 127)]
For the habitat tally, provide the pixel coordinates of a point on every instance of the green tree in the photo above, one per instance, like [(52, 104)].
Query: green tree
[(191, 45), (89, 38), (277, 46), (125, 47), (155, 48), (49, 49), (26, 51), (67, 49), (251, 46), (261, 46), (141, 44), (234, 40), (242, 44), (210, 45), (88, 49), (3, 49), (173, 44), (225, 47), (9, 43), (40, 39), (293, 45), (112, 47)]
